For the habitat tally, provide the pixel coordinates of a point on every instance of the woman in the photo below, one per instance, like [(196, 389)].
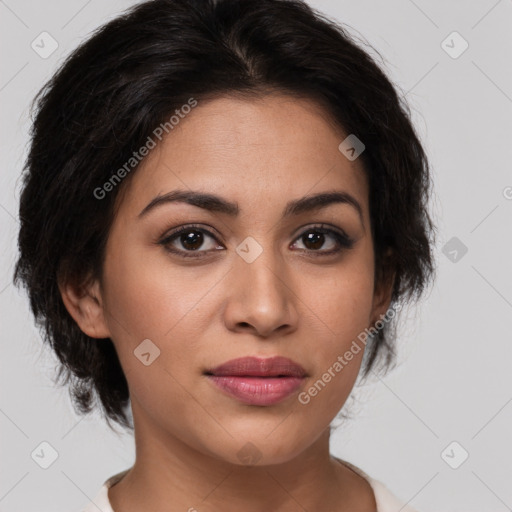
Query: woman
[(223, 206)]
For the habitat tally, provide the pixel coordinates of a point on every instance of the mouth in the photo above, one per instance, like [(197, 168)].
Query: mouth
[(257, 381)]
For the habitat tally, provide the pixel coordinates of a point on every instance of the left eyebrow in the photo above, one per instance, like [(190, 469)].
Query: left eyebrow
[(322, 200), (216, 203)]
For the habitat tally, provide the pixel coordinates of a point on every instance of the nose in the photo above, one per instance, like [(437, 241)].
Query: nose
[(261, 300)]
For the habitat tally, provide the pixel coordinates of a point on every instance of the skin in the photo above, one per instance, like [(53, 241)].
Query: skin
[(259, 153)]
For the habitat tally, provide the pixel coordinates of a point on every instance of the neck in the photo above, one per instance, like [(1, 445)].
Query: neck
[(169, 475)]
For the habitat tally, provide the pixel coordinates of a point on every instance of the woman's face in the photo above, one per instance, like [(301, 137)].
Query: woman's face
[(258, 278)]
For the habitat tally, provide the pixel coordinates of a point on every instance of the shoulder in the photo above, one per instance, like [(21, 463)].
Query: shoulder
[(101, 501), (386, 501)]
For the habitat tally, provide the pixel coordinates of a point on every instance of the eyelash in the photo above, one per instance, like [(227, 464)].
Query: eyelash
[(344, 241)]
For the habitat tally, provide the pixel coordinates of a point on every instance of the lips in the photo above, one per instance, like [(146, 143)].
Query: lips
[(259, 367), (258, 381)]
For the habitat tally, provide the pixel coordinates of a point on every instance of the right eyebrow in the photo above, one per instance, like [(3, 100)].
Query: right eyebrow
[(216, 203)]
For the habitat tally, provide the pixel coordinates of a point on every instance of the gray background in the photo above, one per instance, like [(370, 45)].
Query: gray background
[(454, 382)]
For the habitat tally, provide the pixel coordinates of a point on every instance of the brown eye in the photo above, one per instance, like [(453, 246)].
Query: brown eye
[(317, 238), (313, 240), (190, 239)]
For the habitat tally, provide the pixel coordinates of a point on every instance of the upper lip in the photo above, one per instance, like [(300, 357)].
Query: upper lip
[(259, 367)]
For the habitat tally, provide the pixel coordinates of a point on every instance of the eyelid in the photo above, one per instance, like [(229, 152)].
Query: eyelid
[(320, 225), (344, 240), (203, 228)]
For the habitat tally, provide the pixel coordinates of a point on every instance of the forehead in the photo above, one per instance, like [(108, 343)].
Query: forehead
[(260, 150)]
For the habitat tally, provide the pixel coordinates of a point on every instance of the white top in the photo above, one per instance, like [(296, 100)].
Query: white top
[(386, 501)]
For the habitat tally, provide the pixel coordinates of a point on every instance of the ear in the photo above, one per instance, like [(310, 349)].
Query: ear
[(85, 304), (383, 290)]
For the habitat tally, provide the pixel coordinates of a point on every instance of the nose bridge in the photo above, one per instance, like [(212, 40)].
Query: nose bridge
[(261, 267), (260, 295)]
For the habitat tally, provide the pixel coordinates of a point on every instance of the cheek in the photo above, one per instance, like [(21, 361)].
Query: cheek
[(146, 296), (340, 298), (340, 305), (148, 302), (167, 305)]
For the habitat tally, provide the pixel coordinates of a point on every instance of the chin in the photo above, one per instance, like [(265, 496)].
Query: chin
[(264, 447)]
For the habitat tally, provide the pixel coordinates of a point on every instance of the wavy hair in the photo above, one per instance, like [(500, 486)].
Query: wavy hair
[(127, 78)]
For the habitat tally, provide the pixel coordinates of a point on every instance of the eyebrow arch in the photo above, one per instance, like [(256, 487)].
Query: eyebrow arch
[(215, 203)]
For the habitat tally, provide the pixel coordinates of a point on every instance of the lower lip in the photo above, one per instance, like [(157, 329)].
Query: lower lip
[(258, 390)]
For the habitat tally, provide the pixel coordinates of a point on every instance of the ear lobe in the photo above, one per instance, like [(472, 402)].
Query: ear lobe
[(383, 290), (84, 303), (382, 300)]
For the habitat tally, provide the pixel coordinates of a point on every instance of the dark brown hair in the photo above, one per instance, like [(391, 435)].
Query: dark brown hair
[(128, 78)]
